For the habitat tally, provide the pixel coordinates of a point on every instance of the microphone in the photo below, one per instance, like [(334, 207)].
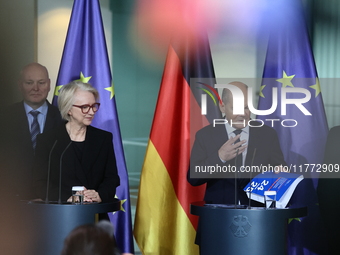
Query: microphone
[(60, 168), (250, 190), (236, 179), (48, 171)]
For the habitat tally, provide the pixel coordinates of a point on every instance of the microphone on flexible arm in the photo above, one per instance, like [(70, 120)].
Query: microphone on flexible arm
[(48, 171), (60, 171), (239, 165), (250, 188), (236, 179)]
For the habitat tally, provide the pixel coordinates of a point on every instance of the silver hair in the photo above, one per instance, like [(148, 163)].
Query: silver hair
[(66, 96)]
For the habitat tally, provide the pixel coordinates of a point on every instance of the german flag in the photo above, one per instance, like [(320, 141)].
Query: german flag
[(163, 223)]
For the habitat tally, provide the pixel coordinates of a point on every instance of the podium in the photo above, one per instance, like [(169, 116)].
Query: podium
[(51, 223), (229, 230)]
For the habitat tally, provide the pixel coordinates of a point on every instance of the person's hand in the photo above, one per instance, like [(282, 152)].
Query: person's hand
[(229, 150), (90, 195), (37, 200)]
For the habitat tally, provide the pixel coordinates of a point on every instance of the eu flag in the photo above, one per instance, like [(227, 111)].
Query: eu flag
[(85, 58), (299, 118)]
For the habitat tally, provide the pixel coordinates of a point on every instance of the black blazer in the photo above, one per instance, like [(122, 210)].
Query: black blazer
[(17, 154), (205, 153), (95, 168), (329, 190)]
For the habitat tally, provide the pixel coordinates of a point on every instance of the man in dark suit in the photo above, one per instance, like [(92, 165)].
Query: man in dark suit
[(33, 114), (329, 191), (235, 144)]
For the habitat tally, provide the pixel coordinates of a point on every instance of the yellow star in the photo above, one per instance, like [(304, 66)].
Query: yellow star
[(112, 90), (286, 80), (84, 79), (261, 89), (291, 219), (56, 90), (316, 86), (121, 204)]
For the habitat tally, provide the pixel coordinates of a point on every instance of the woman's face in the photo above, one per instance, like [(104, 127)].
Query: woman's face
[(76, 115)]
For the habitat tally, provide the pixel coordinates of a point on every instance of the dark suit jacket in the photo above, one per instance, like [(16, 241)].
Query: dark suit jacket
[(95, 168), (16, 147), (329, 190), (205, 153)]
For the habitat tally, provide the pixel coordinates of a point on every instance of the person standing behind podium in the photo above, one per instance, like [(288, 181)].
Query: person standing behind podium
[(21, 122), (329, 191), (78, 152), (258, 145)]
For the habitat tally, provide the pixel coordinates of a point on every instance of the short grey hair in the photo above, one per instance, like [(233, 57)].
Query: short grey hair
[(66, 96)]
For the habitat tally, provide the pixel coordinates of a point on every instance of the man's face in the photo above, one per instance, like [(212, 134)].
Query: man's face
[(240, 120), (34, 85)]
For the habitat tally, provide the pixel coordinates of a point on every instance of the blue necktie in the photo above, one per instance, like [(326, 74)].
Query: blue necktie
[(35, 128)]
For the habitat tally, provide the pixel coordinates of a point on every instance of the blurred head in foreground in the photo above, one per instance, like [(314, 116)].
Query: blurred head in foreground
[(91, 239)]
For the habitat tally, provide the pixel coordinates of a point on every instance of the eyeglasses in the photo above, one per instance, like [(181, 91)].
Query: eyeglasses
[(85, 108)]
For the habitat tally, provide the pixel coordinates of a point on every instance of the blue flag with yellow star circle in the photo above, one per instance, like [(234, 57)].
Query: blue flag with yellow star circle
[(85, 58), (299, 117)]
